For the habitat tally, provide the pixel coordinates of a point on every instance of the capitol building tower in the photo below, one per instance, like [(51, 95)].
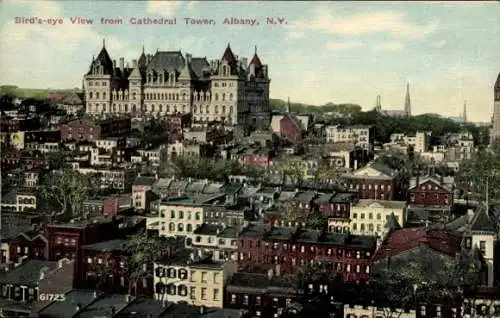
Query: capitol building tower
[(228, 90)]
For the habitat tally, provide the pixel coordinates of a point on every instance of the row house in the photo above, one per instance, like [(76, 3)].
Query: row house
[(142, 193), (82, 129), (251, 155), (66, 240), (30, 245), (34, 160), (219, 240), (105, 266), (375, 181), (19, 200), (111, 205), (348, 255), (224, 215), (182, 215), (12, 125), (111, 143), (24, 287), (291, 129), (261, 295), (192, 277), (362, 136), (111, 178)]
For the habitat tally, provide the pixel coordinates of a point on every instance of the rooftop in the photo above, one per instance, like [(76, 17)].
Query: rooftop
[(407, 239), (27, 273)]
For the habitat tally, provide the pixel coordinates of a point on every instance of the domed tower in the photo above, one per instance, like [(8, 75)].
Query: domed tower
[(495, 132)]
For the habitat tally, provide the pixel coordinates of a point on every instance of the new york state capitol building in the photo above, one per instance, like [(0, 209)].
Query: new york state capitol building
[(228, 90)]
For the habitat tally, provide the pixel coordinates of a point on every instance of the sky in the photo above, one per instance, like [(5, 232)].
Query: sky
[(340, 52)]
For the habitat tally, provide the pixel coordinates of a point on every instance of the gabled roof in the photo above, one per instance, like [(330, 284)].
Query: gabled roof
[(104, 60), (392, 224), (407, 239), (428, 179), (481, 222)]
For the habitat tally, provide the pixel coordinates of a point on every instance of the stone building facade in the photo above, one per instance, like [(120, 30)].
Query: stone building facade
[(228, 90)]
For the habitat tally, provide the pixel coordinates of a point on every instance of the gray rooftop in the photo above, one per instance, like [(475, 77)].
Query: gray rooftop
[(27, 273)]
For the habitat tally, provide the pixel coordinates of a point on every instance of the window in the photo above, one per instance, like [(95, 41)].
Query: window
[(216, 294), (482, 246), (216, 278), (204, 293), (203, 277), (233, 299), (192, 292), (258, 301), (172, 214), (245, 300)]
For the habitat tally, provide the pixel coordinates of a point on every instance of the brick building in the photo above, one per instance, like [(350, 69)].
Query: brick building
[(87, 130)]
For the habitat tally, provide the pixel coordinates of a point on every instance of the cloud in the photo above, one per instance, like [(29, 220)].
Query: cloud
[(333, 46), (169, 8), (438, 44), (390, 47), (394, 23), (53, 45)]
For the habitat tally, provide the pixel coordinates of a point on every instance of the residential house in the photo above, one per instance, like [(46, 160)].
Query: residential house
[(83, 129), (369, 217)]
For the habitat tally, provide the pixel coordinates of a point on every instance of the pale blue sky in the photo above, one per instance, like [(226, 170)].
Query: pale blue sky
[(328, 52)]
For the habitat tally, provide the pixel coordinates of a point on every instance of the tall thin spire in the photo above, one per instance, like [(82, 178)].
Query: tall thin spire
[(143, 49), (288, 105), (103, 43), (255, 50), (378, 105), (464, 115), (407, 100)]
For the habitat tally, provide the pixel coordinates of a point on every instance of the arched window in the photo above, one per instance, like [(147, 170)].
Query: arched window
[(223, 109), (172, 214), (224, 70), (134, 108), (152, 108), (180, 227), (189, 228), (126, 108), (91, 95), (181, 215), (168, 108), (223, 96), (194, 109), (189, 215), (133, 95), (161, 108), (217, 109), (177, 96), (216, 96), (171, 226), (175, 109), (197, 216), (183, 96), (97, 95), (208, 110), (231, 96), (104, 95)]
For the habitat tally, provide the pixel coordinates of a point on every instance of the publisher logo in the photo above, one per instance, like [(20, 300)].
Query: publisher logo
[(52, 297)]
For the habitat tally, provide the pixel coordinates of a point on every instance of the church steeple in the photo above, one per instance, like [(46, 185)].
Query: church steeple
[(464, 114), (378, 105), (288, 106), (407, 100)]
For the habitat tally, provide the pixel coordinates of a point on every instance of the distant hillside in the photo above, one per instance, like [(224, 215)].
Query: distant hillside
[(344, 109), (31, 92)]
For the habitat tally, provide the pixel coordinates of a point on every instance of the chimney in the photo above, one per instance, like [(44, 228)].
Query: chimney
[(114, 64), (122, 63), (134, 63)]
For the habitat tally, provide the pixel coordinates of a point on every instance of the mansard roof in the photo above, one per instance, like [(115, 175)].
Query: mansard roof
[(199, 65), (166, 61)]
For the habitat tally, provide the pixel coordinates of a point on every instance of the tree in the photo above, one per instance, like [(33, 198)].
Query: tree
[(294, 171), (67, 189), (144, 252), (482, 169)]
